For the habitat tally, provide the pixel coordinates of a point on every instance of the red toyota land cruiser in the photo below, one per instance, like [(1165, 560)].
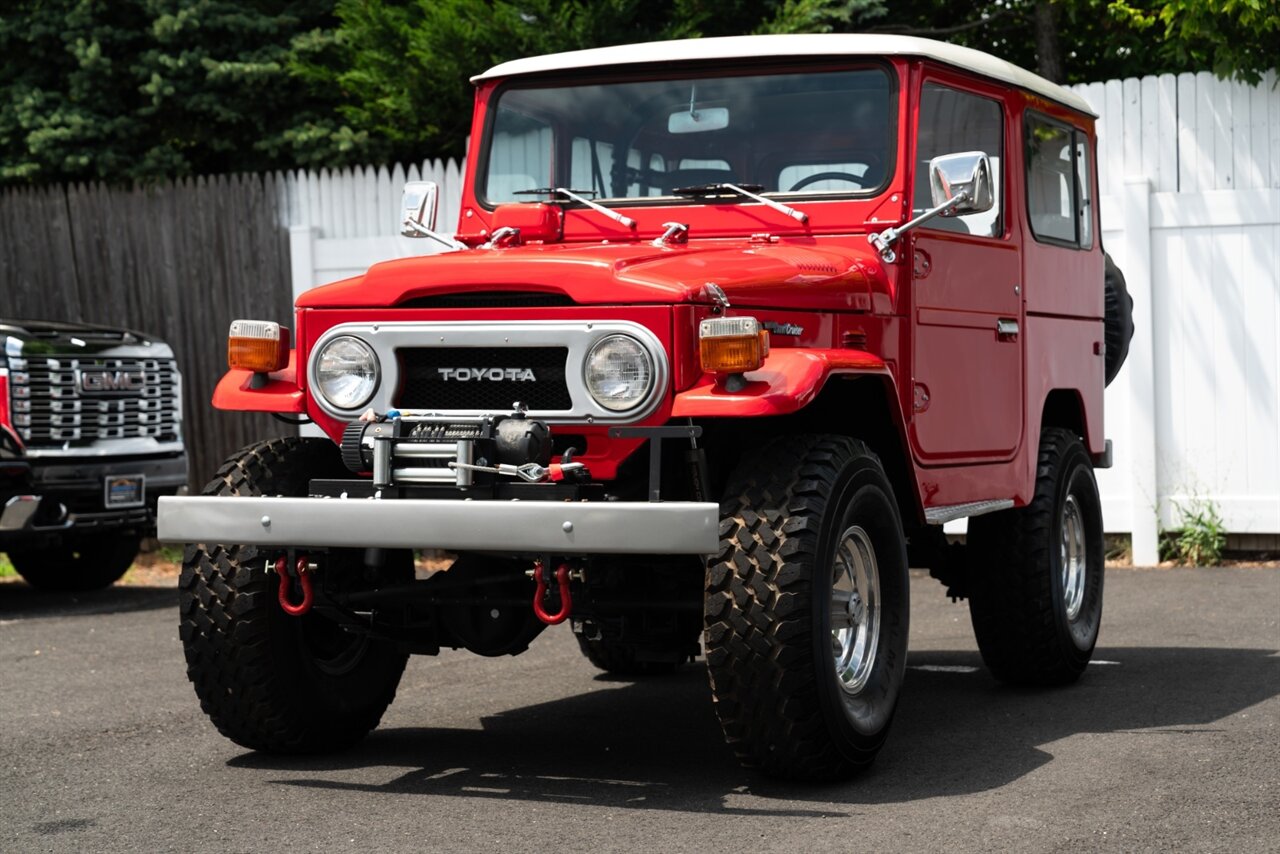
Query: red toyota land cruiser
[(729, 328)]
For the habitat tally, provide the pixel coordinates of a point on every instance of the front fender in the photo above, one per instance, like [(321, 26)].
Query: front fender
[(242, 390), (789, 380)]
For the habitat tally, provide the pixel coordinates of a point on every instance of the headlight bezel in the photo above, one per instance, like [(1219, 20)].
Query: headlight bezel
[(649, 366), (389, 338), (319, 385)]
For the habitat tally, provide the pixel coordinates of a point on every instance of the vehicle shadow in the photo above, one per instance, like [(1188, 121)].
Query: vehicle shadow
[(657, 745), (19, 600)]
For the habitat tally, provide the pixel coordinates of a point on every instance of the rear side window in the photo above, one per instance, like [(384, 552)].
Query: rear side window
[(952, 122), (1058, 182)]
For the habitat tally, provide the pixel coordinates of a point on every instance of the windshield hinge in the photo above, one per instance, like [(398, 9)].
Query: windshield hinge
[(676, 232)]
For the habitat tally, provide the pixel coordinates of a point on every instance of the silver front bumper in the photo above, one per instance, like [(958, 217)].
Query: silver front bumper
[(555, 527)]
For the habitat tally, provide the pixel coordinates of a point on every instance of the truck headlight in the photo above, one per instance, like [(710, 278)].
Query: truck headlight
[(347, 372), (619, 372)]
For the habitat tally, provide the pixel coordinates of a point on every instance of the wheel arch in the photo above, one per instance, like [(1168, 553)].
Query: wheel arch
[(859, 405), (1064, 407)]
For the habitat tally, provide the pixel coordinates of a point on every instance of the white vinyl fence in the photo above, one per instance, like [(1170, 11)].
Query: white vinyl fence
[(343, 221), (1190, 179), (1189, 171)]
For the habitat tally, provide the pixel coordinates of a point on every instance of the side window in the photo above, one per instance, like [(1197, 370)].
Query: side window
[(951, 122), (1085, 208), (1058, 182)]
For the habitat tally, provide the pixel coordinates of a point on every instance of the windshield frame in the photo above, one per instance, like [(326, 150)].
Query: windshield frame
[(700, 70)]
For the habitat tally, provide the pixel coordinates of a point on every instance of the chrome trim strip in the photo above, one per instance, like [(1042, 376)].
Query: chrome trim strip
[(556, 527), (108, 448), (578, 336), (951, 512)]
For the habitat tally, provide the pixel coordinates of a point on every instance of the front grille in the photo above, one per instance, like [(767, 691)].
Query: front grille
[(66, 400), (424, 386)]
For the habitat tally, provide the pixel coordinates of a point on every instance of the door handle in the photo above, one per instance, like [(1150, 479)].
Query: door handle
[(1006, 328)]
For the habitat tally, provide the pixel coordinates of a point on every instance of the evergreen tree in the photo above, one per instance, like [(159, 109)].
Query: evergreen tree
[(144, 89)]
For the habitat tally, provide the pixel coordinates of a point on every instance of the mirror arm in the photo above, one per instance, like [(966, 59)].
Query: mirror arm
[(426, 232), (883, 241)]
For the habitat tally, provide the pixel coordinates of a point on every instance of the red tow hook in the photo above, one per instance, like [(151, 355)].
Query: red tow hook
[(304, 579), (566, 601)]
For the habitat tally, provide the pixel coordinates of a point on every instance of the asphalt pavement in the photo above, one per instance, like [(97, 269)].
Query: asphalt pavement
[(1171, 741)]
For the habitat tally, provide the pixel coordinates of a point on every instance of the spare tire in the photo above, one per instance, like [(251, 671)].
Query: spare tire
[(1119, 319)]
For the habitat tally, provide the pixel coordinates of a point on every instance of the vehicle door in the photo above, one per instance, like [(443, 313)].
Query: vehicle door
[(966, 300)]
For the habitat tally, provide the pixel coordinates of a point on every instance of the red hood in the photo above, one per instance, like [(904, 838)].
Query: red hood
[(751, 274)]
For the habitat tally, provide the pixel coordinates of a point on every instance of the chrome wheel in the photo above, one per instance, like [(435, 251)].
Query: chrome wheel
[(1072, 557), (855, 609)]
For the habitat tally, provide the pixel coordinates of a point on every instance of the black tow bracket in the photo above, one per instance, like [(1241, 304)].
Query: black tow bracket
[(655, 435)]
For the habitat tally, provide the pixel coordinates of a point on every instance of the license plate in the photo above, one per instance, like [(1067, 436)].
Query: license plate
[(125, 490)]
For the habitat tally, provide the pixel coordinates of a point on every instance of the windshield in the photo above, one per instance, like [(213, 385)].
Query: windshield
[(815, 132)]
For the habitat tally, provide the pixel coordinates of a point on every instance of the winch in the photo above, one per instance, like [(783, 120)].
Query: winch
[(405, 447)]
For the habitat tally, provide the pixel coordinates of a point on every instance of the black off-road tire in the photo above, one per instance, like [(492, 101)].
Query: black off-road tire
[(621, 659), (1017, 590), (768, 612), (1118, 328), (269, 681), (85, 563)]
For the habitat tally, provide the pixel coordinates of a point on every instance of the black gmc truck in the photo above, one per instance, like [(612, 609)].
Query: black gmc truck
[(90, 437)]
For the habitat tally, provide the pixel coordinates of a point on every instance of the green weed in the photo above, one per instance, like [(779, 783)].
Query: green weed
[(1199, 538)]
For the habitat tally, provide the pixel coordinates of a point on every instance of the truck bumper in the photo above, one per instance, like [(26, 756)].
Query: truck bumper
[(553, 527), (48, 498)]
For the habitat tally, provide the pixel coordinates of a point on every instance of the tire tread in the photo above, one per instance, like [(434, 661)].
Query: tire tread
[(756, 614), (224, 601), (1012, 602)]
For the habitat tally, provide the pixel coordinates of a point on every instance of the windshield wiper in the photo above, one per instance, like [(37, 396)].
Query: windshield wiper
[(551, 191), (572, 195), (750, 191)]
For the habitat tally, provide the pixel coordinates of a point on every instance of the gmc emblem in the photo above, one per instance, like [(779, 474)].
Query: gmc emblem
[(103, 382)]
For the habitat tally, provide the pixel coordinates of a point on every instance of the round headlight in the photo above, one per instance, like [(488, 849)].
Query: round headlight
[(346, 372), (619, 372)]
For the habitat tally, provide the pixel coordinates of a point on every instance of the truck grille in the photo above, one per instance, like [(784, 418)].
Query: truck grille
[(487, 381), (56, 400)]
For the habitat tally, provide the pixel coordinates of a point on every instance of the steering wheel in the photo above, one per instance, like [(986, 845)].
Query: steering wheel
[(827, 176)]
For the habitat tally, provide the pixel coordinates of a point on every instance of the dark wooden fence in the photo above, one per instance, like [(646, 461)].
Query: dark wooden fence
[(178, 261)]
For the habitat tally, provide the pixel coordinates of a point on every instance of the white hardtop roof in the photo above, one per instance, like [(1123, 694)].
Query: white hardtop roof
[(767, 47)]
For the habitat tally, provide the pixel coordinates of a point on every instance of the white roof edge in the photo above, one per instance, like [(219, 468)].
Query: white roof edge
[(830, 44)]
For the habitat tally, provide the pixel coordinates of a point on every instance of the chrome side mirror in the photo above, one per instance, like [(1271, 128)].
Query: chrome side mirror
[(964, 181), (959, 183), (419, 205)]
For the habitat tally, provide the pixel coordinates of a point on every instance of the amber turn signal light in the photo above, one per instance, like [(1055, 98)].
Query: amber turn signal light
[(732, 345), (257, 345)]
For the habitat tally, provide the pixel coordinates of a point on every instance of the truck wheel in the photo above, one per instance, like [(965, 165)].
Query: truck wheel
[(270, 681), (1035, 573), (807, 608), (86, 563), (1118, 327), (621, 659)]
